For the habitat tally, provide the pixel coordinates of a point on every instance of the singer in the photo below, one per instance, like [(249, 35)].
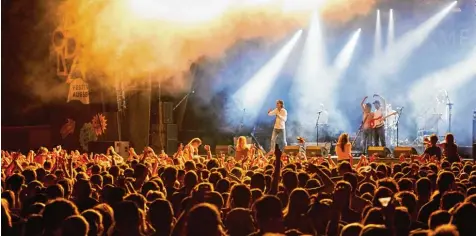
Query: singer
[(279, 124)]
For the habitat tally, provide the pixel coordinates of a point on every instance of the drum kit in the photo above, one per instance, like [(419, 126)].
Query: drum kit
[(434, 119)]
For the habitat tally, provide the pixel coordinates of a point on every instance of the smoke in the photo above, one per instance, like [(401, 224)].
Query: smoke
[(165, 37)]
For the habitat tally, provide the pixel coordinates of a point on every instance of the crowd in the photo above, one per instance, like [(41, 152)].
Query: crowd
[(55, 192)]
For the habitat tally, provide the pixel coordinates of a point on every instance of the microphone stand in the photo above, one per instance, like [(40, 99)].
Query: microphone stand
[(183, 99), (317, 127), (242, 122), (398, 121), (450, 106)]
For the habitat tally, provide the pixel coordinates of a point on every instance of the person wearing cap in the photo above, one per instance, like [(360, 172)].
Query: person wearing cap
[(379, 125)]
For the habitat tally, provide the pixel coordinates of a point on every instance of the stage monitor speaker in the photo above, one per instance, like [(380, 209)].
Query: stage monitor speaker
[(172, 146), (382, 152), (223, 149), (465, 152), (168, 112), (397, 151), (172, 132), (120, 147), (313, 151), (291, 150), (474, 151)]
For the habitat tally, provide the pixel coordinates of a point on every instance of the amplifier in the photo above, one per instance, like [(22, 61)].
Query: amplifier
[(397, 151), (223, 149), (291, 150), (120, 147), (382, 152), (313, 151)]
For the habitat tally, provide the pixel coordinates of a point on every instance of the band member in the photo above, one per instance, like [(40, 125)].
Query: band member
[(279, 124), (379, 124), (366, 123)]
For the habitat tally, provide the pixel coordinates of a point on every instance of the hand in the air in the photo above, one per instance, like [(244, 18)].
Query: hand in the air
[(207, 148)]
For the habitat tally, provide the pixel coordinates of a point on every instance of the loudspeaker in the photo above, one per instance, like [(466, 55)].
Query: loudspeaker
[(382, 152), (313, 151), (172, 132), (465, 151), (223, 149), (291, 150), (168, 112), (404, 150), (120, 147), (172, 146), (474, 151)]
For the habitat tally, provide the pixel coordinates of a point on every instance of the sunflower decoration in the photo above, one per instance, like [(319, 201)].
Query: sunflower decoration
[(99, 123)]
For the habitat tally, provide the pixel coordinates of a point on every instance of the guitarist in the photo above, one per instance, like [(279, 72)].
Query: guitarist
[(378, 121), (366, 127)]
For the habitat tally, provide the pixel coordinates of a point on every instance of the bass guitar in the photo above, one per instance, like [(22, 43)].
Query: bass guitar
[(372, 121)]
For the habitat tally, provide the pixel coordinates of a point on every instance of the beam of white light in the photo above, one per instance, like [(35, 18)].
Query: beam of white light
[(390, 29), (343, 59), (378, 35), (451, 79), (315, 83), (251, 96), (312, 70), (393, 58)]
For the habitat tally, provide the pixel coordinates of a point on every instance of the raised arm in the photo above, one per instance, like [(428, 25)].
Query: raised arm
[(362, 104), (383, 102), (272, 112), (277, 171)]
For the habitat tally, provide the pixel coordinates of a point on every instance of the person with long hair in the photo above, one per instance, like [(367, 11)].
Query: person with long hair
[(450, 149), (242, 150), (191, 148), (344, 148), (366, 127)]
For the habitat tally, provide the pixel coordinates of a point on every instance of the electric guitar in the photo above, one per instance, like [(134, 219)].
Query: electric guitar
[(372, 121)]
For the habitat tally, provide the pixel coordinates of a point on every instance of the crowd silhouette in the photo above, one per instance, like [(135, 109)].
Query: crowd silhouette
[(59, 192)]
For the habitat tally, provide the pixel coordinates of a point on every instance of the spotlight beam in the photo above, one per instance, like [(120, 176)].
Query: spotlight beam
[(378, 35), (251, 95), (391, 29), (312, 73), (393, 58), (343, 59)]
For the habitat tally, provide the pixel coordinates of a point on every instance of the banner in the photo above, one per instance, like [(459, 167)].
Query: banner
[(78, 90)]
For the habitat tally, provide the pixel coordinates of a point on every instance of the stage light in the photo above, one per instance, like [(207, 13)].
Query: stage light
[(252, 95), (393, 58), (343, 59), (391, 29), (378, 35)]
